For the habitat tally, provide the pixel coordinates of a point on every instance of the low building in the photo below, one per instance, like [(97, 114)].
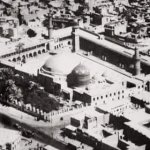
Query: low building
[(138, 126), (93, 128), (88, 127), (90, 120), (99, 19), (115, 28), (9, 139), (106, 4), (9, 27), (113, 142), (64, 73)]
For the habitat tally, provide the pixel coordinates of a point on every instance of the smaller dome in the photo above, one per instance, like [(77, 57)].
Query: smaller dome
[(80, 76), (81, 70)]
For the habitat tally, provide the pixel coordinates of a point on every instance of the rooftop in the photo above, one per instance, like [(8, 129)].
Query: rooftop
[(112, 46), (56, 3), (143, 96), (8, 47), (137, 116), (106, 87), (139, 121), (49, 147), (6, 136), (111, 140), (92, 113), (108, 107)]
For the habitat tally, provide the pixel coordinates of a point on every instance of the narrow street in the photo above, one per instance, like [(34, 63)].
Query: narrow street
[(44, 131)]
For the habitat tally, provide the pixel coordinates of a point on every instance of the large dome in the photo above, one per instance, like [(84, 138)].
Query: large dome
[(61, 64)]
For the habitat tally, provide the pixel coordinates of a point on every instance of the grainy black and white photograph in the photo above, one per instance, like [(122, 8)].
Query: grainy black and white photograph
[(74, 74)]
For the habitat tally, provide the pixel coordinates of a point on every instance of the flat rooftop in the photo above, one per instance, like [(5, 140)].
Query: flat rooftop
[(8, 136), (143, 96), (140, 121), (92, 113), (113, 105), (137, 116), (103, 88), (8, 47), (111, 46)]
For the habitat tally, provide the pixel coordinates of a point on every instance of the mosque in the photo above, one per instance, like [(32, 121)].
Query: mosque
[(64, 70), (68, 74)]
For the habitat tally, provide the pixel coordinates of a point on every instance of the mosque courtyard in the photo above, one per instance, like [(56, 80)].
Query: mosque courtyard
[(94, 64)]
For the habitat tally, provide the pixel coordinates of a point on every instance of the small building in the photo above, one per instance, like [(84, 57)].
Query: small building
[(113, 142), (115, 28), (90, 120), (10, 139)]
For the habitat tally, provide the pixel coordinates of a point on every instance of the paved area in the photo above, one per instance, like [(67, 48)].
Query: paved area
[(27, 144), (43, 130), (33, 64)]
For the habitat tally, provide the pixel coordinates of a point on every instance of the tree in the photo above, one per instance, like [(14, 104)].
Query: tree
[(40, 99), (12, 91), (31, 33), (97, 10), (6, 73)]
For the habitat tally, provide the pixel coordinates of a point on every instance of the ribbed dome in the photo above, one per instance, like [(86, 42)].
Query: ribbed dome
[(80, 76), (61, 64), (81, 70)]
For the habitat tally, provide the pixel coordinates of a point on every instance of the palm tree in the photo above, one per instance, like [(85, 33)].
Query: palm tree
[(19, 47), (12, 91)]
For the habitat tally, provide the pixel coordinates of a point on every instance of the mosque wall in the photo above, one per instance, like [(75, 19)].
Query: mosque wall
[(122, 61), (110, 94), (49, 84)]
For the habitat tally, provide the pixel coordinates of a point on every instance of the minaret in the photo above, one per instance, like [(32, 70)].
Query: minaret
[(137, 61), (19, 15), (91, 5), (50, 25), (76, 40)]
